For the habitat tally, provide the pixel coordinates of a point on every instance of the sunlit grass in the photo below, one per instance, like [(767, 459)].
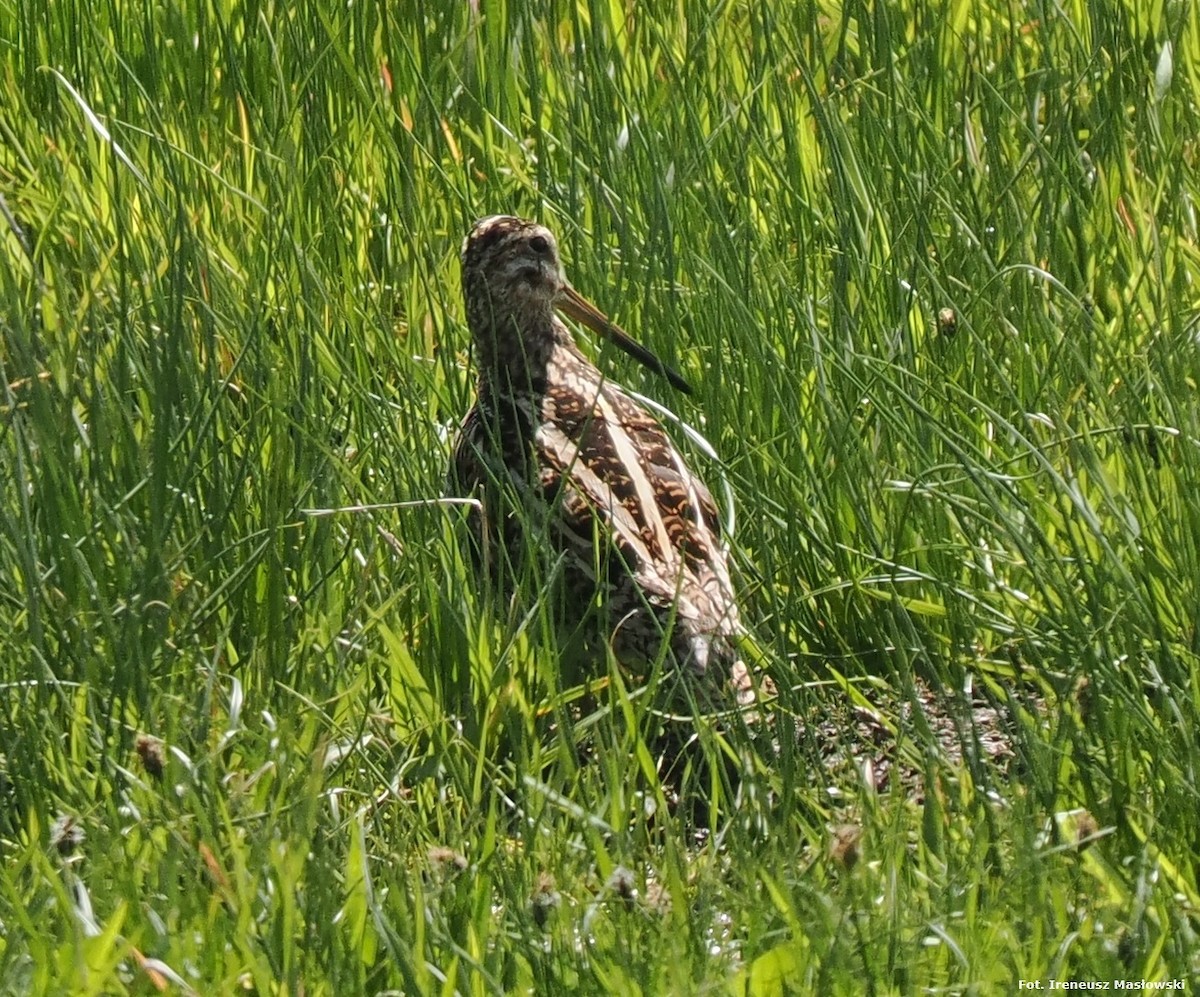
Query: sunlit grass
[(233, 354)]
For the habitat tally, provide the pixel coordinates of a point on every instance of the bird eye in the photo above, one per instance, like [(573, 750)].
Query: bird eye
[(539, 244)]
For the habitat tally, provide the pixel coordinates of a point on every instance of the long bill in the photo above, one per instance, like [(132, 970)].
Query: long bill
[(574, 305)]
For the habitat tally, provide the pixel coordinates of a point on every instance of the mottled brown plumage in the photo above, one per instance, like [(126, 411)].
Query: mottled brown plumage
[(565, 462)]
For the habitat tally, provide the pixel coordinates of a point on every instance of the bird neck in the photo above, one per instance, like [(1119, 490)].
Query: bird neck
[(514, 349)]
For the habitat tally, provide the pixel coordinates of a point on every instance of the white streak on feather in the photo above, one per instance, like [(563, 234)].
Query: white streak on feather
[(597, 492), (646, 497)]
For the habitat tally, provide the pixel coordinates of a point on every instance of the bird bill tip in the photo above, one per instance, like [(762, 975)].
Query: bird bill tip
[(575, 306)]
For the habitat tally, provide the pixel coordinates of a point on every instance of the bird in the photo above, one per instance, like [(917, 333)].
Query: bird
[(563, 460)]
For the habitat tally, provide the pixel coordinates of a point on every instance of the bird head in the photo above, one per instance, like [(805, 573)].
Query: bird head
[(513, 263), (512, 273)]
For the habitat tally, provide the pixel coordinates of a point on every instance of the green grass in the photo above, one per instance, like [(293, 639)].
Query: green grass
[(229, 296)]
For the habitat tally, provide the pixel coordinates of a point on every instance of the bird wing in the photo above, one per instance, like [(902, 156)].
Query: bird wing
[(602, 454)]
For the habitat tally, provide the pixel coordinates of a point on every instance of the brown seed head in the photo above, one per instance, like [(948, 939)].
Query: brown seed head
[(65, 834), (544, 899), (845, 844), (622, 883), (1087, 830), (150, 751)]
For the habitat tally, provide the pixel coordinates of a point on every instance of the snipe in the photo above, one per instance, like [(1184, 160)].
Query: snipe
[(565, 461)]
